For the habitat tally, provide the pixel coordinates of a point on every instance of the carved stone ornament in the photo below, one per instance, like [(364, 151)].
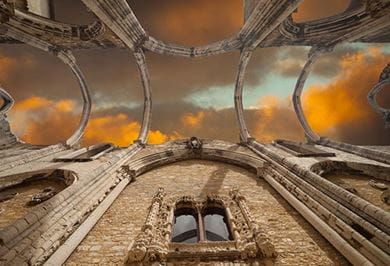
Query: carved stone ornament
[(291, 30), (384, 81), (376, 8), (153, 245)]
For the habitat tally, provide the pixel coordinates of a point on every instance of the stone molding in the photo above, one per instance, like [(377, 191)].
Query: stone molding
[(153, 244)]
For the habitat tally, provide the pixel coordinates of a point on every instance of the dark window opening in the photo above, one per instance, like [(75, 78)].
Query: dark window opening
[(216, 225), (185, 229), (192, 227)]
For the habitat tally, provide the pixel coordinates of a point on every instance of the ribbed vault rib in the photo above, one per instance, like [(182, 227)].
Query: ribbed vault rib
[(147, 112), (120, 18), (68, 59), (242, 67), (312, 137), (384, 81), (314, 54), (8, 101), (372, 26), (267, 15)]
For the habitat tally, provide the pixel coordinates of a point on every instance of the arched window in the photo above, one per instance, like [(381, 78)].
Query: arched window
[(189, 228), (216, 225), (192, 226), (185, 229)]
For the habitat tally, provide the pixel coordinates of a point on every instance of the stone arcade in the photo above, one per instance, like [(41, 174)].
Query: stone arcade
[(113, 206)]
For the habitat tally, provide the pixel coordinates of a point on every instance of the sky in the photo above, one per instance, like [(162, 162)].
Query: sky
[(194, 96)]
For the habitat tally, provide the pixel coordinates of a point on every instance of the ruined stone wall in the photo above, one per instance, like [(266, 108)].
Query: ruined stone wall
[(296, 242), (6, 136)]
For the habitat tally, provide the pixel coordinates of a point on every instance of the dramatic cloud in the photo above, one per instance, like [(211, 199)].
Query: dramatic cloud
[(119, 129), (26, 71), (317, 9), (190, 22), (276, 119), (43, 121), (112, 74), (338, 110), (48, 98), (341, 108), (292, 59)]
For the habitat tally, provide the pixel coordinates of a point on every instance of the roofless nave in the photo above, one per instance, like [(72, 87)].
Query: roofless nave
[(98, 177)]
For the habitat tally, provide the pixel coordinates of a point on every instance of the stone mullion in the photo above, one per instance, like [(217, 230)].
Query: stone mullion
[(201, 228)]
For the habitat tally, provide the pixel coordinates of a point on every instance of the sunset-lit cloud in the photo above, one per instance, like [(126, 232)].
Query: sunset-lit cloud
[(276, 119), (338, 109), (32, 103), (193, 120), (194, 97), (120, 130), (42, 121), (344, 99), (334, 109)]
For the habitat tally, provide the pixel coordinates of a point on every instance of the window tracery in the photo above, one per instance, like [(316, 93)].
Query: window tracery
[(206, 228)]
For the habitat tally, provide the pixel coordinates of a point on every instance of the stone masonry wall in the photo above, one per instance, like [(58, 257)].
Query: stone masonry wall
[(296, 242)]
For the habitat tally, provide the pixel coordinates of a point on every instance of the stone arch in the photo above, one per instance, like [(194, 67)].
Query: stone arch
[(21, 193), (384, 81), (377, 171), (158, 159), (8, 101), (367, 181), (66, 57), (193, 183)]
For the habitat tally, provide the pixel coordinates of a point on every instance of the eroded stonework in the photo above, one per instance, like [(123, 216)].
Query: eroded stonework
[(295, 241), (309, 219), (153, 244)]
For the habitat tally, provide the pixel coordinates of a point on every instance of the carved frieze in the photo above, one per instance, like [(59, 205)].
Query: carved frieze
[(153, 244)]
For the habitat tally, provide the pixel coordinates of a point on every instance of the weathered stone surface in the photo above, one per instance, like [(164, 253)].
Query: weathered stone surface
[(349, 215), (296, 242), (17, 206)]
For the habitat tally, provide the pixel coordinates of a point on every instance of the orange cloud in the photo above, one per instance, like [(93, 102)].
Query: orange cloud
[(66, 105), (336, 109), (276, 119), (344, 99), (42, 121), (32, 103), (193, 120), (119, 129)]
